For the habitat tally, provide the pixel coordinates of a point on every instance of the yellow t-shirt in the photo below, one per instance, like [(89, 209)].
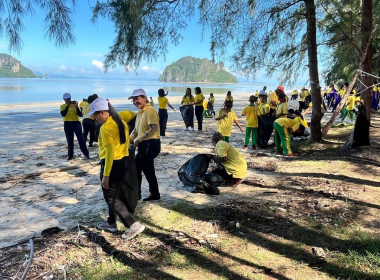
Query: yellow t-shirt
[(127, 116), (282, 108), (307, 93), (212, 101), (350, 103), (302, 96), (264, 109), (187, 100), (286, 98), (375, 88), (273, 97), (109, 144), (225, 125), (229, 98), (86, 109), (71, 115), (311, 104), (289, 123), (199, 97), (294, 92), (82, 104), (235, 164), (250, 113), (205, 103), (301, 121), (162, 102), (257, 93), (144, 118), (342, 92)]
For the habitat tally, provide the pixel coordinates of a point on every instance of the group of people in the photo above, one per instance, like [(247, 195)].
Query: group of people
[(129, 142)]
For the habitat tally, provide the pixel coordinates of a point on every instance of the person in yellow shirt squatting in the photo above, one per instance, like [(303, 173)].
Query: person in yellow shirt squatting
[(257, 93), (118, 173), (163, 102), (226, 117), (250, 113), (350, 107), (283, 129), (233, 166)]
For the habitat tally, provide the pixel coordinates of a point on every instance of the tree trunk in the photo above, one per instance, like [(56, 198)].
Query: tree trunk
[(315, 126), (342, 102), (366, 30)]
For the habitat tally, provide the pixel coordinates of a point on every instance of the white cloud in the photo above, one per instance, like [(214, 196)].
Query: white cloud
[(146, 68), (62, 67), (98, 64)]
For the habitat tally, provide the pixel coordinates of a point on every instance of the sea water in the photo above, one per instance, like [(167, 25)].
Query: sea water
[(46, 90)]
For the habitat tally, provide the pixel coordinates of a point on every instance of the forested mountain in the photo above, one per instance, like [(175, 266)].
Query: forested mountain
[(191, 69), (12, 68)]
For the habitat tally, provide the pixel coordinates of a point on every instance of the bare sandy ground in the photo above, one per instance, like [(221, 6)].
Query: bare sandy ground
[(40, 189)]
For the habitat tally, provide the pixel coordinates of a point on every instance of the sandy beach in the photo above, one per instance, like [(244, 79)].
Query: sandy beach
[(40, 189)]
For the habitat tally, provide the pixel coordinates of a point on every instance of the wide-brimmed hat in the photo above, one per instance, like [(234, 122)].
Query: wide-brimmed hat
[(97, 105)]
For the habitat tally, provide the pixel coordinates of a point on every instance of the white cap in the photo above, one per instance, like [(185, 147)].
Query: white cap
[(137, 92), (99, 104), (66, 95)]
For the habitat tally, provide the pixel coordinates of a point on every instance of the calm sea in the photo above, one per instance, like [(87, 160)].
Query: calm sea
[(43, 90)]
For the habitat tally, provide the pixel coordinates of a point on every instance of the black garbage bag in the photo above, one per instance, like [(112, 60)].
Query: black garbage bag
[(192, 172), (213, 179), (265, 130), (187, 112)]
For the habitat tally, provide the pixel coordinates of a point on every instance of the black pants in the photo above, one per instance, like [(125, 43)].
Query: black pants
[(121, 197), (302, 106), (89, 127), (199, 115), (147, 151), (163, 114), (71, 128)]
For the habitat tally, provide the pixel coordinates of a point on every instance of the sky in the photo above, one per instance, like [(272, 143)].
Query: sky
[(86, 57)]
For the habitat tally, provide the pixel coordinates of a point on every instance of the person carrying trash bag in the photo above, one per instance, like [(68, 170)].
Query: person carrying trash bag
[(187, 110), (118, 173)]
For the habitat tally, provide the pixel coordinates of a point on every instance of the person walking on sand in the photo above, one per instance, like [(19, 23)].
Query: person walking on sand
[(146, 137), (250, 113), (71, 124), (198, 102), (188, 112), (226, 117), (117, 169), (163, 102)]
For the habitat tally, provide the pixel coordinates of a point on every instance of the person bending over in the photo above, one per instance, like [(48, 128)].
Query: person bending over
[(232, 165)]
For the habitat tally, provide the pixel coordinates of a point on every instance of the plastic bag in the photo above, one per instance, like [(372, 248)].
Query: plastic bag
[(187, 112), (192, 172)]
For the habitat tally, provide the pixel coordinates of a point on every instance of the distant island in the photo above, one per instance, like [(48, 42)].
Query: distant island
[(196, 70), (10, 67)]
